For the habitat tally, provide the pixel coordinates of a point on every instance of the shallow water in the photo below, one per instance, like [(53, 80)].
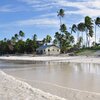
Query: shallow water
[(55, 77)]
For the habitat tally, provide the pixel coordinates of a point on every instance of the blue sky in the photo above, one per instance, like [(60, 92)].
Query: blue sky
[(40, 16)]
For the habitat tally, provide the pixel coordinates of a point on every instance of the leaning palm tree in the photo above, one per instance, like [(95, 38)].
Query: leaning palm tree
[(97, 23), (88, 28), (75, 29), (81, 28), (61, 15)]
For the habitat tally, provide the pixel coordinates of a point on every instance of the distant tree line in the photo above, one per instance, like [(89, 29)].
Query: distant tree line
[(17, 45), (62, 38)]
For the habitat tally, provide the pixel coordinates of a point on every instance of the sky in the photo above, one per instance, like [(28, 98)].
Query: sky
[(40, 16)]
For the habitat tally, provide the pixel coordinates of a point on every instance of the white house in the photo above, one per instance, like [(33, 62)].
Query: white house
[(48, 50)]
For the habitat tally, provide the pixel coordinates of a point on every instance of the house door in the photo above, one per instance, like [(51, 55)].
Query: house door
[(41, 52)]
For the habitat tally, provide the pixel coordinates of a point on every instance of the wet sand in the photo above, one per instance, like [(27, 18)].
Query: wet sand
[(72, 94), (13, 89)]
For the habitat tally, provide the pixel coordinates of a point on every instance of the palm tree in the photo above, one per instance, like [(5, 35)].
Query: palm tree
[(81, 28), (5, 39), (34, 37), (79, 42), (16, 36), (48, 39), (10, 45), (64, 40), (13, 39), (75, 29), (63, 28), (97, 23), (58, 37), (55, 41), (21, 34), (44, 41), (61, 15), (88, 28)]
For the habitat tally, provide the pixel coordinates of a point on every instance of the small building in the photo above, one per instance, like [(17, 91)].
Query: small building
[(48, 50)]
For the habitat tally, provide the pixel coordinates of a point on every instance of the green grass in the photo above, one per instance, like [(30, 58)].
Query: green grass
[(87, 51)]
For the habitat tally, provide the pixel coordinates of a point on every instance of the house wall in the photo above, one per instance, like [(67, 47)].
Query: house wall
[(52, 50)]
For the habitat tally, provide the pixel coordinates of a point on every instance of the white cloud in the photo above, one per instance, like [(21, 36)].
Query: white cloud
[(5, 8), (38, 5), (85, 12), (11, 8), (33, 22), (84, 7), (41, 21), (30, 1), (91, 8), (49, 15)]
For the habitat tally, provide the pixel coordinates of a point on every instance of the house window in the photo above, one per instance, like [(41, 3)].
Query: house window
[(58, 50), (48, 50)]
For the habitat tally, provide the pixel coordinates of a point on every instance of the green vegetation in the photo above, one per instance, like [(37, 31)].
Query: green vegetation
[(62, 38), (92, 51)]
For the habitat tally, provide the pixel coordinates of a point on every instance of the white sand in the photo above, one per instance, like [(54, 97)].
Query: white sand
[(12, 89), (77, 59)]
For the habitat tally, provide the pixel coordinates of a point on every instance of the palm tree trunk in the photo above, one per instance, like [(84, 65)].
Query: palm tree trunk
[(89, 42), (95, 33), (86, 39), (77, 36), (60, 21), (83, 39), (60, 44)]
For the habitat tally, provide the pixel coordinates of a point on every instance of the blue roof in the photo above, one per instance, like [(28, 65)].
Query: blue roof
[(45, 46)]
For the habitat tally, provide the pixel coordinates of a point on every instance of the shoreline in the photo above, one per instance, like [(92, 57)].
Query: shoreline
[(12, 88), (71, 59)]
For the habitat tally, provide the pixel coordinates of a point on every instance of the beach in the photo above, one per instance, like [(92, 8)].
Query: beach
[(75, 59), (14, 89), (50, 50)]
